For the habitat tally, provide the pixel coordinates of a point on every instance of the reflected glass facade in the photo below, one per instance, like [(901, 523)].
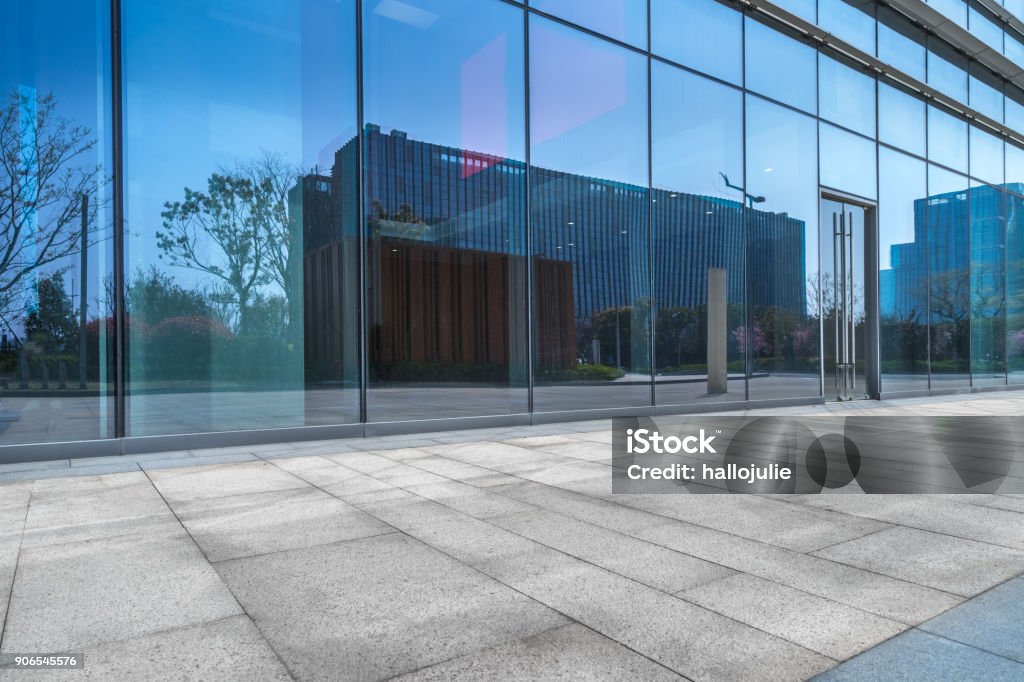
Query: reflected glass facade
[(221, 217)]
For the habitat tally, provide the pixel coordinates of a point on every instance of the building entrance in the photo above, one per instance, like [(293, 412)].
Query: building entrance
[(845, 290)]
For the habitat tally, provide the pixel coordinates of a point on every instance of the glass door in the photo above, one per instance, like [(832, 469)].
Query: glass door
[(843, 312)]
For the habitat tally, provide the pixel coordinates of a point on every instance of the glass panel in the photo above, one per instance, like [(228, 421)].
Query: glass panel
[(780, 67), (947, 70), (805, 9), (900, 43), (987, 94), (56, 302), (986, 156), (1014, 102), (988, 277), (445, 212), (846, 96), (901, 119), (947, 139), (1015, 286), (953, 9), (240, 159), (903, 272), (1013, 47), (982, 25), (624, 20), (589, 200), (847, 162), (850, 20), (782, 253), (702, 34), (697, 160), (1014, 169), (949, 278)]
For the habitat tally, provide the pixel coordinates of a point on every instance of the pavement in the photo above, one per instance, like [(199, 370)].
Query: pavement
[(498, 553)]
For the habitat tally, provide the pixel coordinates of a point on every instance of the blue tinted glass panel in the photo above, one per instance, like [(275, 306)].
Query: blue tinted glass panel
[(1014, 103), (903, 271), (805, 9), (988, 285), (847, 161), (953, 9), (947, 73), (782, 331), (241, 164), (986, 156), (901, 119), (846, 96), (947, 218), (697, 161), (56, 340), (1015, 168), (850, 20), (445, 179), (624, 20), (901, 44), (986, 98), (780, 67), (702, 34), (947, 139), (590, 208), (1013, 47), (985, 29)]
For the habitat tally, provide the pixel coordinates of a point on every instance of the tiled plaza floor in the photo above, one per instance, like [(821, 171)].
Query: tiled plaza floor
[(498, 554)]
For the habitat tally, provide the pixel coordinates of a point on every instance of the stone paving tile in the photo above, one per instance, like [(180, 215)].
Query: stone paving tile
[(74, 509), (758, 518), (940, 514), (222, 480), (571, 652), (993, 621), (258, 523), (652, 565), (69, 596), (917, 655), (377, 607), (881, 595), (229, 650), (821, 625), (942, 562), (646, 620), (460, 471), (177, 462), (476, 502), (37, 466), (690, 640)]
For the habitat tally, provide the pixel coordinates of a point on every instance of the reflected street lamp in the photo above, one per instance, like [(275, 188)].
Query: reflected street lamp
[(750, 197)]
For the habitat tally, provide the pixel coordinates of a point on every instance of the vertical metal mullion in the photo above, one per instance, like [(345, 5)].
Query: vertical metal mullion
[(652, 305), (361, 242), (528, 218), (748, 369), (117, 140)]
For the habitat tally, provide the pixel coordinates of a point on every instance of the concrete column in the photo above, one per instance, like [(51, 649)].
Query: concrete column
[(718, 368)]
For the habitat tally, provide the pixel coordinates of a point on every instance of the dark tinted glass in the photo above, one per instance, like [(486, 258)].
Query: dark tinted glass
[(241, 167), (781, 335), (56, 302), (445, 211), (903, 271), (697, 245), (589, 203)]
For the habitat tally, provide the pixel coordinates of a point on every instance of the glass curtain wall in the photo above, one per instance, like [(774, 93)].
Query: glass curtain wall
[(240, 218), (56, 227), (445, 203), (590, 228)]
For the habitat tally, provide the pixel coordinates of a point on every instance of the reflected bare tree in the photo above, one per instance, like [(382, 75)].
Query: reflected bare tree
[(44, 181)]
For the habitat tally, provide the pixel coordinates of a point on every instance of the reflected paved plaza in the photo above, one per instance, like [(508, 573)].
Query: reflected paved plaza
[(498, 554)]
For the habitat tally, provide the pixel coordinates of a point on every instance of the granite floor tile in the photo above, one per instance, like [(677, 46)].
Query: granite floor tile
[(359, 610), (222, 480), (955, 565), (819, 624), (69, 596), (258, 523)]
